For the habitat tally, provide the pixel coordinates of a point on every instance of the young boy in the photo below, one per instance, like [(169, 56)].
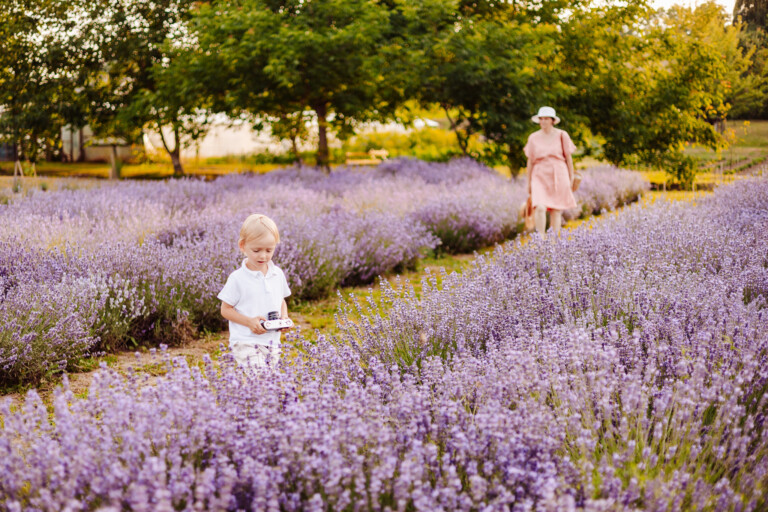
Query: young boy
[(252, 292)]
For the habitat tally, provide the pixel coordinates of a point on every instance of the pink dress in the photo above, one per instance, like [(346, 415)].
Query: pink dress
[(550, 183)]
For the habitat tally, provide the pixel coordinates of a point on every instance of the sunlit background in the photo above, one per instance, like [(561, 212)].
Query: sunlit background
[(728, 4)]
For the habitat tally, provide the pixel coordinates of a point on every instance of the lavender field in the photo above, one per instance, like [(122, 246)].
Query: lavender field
[(142, 263), (621, 368)]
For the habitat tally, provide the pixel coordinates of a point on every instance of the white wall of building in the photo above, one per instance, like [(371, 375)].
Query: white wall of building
[(223, 139)]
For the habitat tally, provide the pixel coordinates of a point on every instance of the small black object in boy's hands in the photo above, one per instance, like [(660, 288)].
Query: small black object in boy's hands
[(275, 323)]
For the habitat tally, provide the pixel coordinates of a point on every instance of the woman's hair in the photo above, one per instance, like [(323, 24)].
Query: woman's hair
[(256, 226)]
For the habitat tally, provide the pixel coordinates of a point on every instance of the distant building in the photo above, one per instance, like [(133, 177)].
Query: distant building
[(81, 145), (224, 137)]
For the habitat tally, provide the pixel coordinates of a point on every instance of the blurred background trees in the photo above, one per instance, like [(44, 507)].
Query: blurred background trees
[(753, 16), (285, 59), (633, 85)]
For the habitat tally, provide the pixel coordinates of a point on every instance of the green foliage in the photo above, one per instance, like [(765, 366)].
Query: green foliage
[(680, 168), (754, 13), (142, 82), (643, 82), (708, 24), (750, 98), (265, 157), (429, 144), (667, 87), (487, 74), (37, 68), (289, 59)]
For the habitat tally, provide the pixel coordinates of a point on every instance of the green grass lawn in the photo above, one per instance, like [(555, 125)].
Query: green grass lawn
[(747, 139), (750, 134)]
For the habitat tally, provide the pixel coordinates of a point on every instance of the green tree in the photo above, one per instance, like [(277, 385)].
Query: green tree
[(488, 77), (655, 86), (289, 59), (37, 75), (751, 93), (646, 83), (491, 66), (754, 13), (139, 84), (708, 23)]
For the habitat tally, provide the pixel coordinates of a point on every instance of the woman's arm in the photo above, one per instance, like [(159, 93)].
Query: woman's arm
[(528, 169), (568, 157)]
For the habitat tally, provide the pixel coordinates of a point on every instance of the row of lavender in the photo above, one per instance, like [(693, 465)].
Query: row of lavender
[(143, 262), (641, 346), (624, 368)]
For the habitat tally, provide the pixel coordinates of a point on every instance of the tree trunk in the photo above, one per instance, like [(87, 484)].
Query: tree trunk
[(71, 144), (81, 145), (57, 147), (513, 160), (50, 147), (34, 150), (114, 170), (18, 171), (178, 170), (463, 142), (295, 149), (323, 161), (175, 153)]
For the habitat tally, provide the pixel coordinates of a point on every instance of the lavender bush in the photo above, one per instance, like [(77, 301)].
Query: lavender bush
[(153, 256), (622, 368), (606, 188), (645, 338), (47, 318)]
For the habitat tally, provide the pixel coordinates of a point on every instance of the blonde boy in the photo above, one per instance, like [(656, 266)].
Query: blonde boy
[(252, 291)]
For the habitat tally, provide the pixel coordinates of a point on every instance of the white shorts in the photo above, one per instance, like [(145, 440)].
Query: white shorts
[(255, 356)]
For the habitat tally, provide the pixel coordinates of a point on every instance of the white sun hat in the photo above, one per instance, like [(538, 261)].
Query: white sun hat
[(546, 112)]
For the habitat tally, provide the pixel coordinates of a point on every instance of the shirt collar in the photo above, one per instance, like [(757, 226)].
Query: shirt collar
[(257, 273)]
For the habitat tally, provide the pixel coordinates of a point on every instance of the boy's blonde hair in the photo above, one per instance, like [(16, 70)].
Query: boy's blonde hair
[(256, 226)]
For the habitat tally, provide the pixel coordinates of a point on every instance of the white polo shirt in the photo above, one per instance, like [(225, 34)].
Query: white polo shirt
[(254, 294)]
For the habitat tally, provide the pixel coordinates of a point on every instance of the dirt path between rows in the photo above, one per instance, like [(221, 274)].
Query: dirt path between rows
[(146, 360)]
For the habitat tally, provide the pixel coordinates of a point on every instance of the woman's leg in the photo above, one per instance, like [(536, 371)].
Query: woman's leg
[(540, 219), (556, 220)]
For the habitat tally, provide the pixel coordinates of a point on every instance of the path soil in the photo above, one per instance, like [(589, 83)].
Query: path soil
[(139, 361)]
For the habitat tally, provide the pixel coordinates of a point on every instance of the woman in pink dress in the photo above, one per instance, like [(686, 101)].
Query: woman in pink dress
[(550, 171)]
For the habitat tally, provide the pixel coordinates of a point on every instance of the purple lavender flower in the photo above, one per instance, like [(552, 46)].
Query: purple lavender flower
[(145, 261)]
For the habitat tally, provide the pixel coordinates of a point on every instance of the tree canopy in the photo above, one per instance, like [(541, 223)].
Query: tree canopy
[(752, 12), (282, 59), (139, 84), (645, 82), (752, 90), (37, 74)]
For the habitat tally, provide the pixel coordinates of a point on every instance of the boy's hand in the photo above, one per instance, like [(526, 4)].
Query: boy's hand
[(256, 326), (285, 318)]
